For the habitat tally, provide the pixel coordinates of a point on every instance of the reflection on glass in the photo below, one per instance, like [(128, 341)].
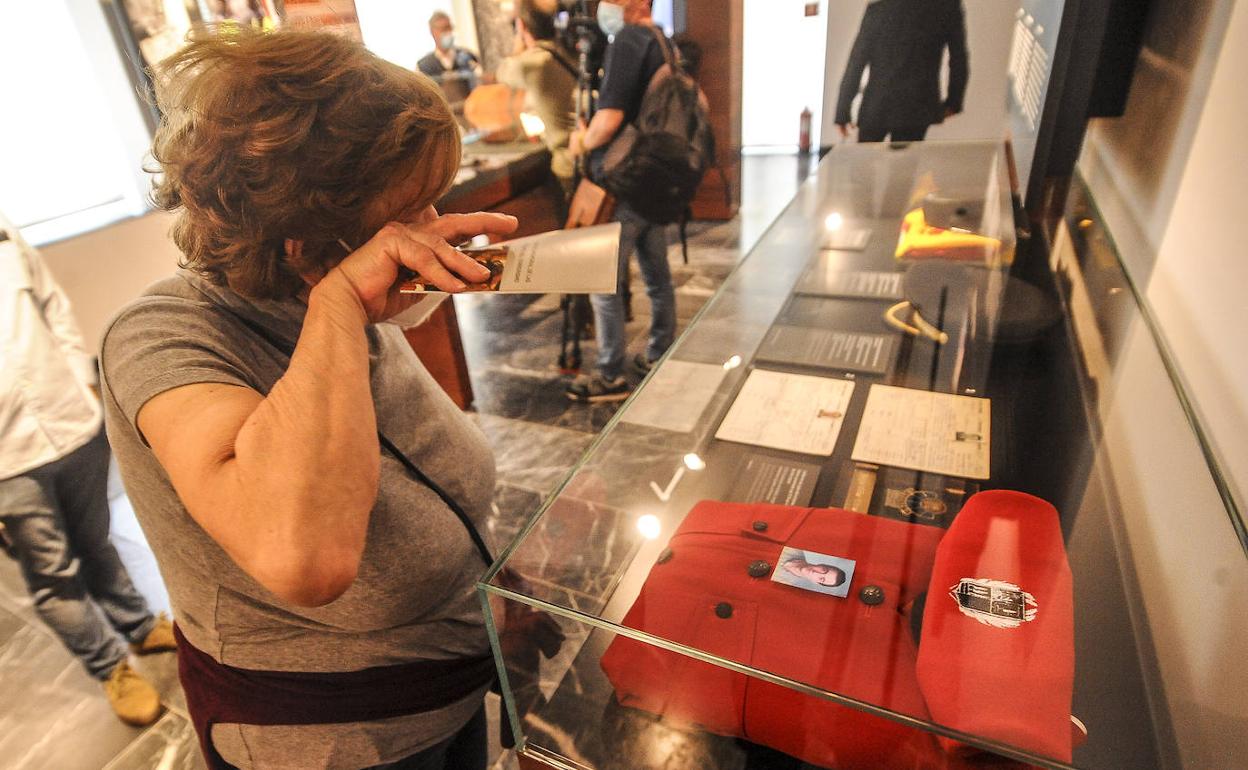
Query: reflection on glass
[(706, 650), (532, 124), (649, 526)]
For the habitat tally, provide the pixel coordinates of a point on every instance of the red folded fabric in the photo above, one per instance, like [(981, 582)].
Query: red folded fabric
[(711, 591), (704, 595), (997, 657)]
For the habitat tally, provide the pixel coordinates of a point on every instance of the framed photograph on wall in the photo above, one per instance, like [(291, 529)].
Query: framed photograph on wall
[(338, 16), (148, 31), (157, 28)]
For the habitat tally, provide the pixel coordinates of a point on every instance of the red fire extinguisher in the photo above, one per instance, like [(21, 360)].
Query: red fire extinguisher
[(803, 136)]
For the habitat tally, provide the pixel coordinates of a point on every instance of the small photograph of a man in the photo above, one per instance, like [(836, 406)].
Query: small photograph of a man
[(813, 571)]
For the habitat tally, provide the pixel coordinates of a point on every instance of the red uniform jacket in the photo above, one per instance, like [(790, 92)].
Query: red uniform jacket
[(711, 590)]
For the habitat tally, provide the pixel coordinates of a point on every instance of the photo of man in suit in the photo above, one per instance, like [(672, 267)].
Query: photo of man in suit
[(901, 44)]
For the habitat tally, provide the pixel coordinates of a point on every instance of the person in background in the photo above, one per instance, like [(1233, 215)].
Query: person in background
[(548, 75), (245, 11), (54, 486), (448, 60), (632, 58), (902, 43), (324, 577)]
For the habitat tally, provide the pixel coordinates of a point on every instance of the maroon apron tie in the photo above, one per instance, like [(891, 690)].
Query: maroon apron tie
[(221, 694)]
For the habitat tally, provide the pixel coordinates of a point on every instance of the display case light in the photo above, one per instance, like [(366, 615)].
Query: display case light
[(532, 124), (649, 526)]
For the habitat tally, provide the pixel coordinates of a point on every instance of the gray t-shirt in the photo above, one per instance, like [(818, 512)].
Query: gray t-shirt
[(414, 597)]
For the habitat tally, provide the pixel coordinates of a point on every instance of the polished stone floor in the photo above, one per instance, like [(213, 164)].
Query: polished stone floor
[(52, 715)]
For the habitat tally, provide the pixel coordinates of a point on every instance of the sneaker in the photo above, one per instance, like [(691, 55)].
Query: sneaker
[(642, 364), (159, 639), (594, 389), (134, 700)]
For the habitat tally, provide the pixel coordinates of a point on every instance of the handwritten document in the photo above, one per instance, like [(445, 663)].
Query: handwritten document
[(932, 432), (794, 412)]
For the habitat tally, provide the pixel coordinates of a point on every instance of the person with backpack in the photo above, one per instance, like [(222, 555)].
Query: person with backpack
[(649, 144)]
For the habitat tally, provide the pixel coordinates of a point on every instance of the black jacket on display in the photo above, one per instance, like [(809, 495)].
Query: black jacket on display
[(903, 42)]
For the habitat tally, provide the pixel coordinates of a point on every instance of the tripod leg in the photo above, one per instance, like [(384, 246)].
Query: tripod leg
[(570, 362), (580, 323), (628, 292)]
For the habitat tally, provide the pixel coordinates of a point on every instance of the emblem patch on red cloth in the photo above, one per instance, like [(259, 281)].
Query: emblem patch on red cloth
[(994, 602)]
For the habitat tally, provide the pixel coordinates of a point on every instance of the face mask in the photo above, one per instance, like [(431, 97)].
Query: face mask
[(610, 17), (447, 41)]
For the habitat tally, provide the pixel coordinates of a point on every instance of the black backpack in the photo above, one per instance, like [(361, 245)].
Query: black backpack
[(656, 163)]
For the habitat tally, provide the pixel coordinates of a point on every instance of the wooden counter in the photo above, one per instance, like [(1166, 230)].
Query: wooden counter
[(511, 178)]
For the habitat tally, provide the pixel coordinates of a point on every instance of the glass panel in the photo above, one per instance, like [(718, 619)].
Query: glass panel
[(1156, 538), (610, 701), (889, 478), (59, 124)]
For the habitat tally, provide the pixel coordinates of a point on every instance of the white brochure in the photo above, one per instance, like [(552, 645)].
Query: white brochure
[(580, 261)]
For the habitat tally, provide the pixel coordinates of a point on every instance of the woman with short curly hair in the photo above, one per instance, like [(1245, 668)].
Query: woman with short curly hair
[(323, 587)]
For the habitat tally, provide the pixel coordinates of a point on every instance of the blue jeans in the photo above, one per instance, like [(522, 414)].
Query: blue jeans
[(465, 750), (57, 517), (650, 242)]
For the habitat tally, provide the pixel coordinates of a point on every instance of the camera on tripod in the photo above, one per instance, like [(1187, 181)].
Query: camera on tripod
[(579, 32)]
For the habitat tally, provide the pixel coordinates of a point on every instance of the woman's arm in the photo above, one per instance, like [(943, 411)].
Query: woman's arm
[(285, 483)]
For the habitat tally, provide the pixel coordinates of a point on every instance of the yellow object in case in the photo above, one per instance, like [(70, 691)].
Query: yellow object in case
[(919, 240)]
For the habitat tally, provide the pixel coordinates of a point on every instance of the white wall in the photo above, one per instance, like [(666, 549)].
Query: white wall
[(1170, 199), (989, 24), (1197, 286), (1135, 163), (1189, 568), (103, 270), (72, 130), (399, 31), (782, 65)]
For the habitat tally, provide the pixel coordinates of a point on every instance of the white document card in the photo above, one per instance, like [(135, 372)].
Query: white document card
[(794, 412), (923, 431)]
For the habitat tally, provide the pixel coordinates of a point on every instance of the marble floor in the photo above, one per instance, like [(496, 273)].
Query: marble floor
[(54, 716)]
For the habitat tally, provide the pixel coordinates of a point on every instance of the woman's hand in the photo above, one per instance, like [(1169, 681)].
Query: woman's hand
[(371, 272)]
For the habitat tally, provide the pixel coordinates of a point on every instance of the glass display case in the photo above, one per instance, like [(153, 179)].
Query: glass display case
[(868, 513)]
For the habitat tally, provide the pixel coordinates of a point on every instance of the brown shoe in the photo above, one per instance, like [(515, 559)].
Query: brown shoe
[(135, 701), (159, 639)]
